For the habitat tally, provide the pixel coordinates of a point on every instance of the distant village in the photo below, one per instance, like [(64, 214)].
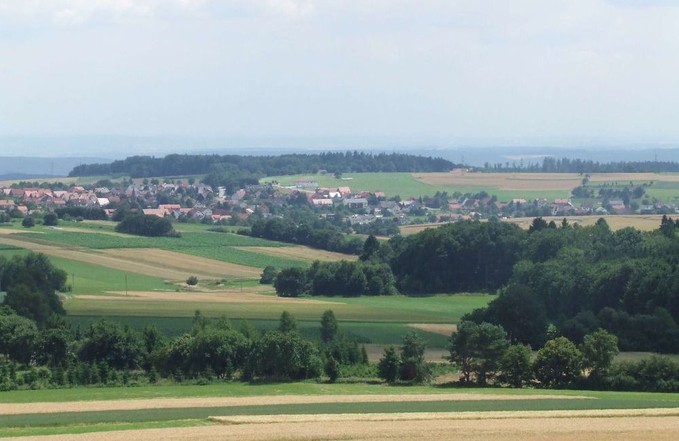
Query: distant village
[(189, 201)]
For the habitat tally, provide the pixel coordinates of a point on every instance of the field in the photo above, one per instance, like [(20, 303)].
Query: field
[(641, 222), (506, 186), (340, 411)]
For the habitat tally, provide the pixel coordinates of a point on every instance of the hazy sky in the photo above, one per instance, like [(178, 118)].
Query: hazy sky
[(523, 71)]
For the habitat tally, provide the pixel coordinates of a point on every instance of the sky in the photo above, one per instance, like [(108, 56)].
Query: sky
[(445, 72)]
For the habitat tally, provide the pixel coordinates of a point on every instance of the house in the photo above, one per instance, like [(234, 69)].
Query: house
[(6, 204), (155, 212), (322, 202), (356, 203)]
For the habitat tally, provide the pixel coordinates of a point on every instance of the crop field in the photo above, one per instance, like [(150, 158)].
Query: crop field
[(339, 411), (505, 186), (648, 222)]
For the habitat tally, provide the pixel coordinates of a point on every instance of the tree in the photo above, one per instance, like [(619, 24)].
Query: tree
[(332, 369), (284, 356), (18, 337), (31, 282), (599, 349), (329, 327), (370, 247), (50, 219), (389, 365), (28, 222), (477, 349), (287, 323), (515, 366), (192, 281), (119, 346), (558, 363), (291, 282), (413, 366), (268, 275)]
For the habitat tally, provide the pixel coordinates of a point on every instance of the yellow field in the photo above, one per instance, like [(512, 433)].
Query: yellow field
[(616, 222), (301, 253)]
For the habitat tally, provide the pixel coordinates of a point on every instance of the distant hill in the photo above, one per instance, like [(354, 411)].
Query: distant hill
[(24, 167)]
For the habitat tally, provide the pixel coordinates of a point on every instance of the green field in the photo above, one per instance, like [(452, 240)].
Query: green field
[(406, 186)]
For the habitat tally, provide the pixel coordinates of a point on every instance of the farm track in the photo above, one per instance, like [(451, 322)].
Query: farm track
[(169, 265)]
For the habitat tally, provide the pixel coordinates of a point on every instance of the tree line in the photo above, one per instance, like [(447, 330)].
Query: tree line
[(260, 166), (568, 165)]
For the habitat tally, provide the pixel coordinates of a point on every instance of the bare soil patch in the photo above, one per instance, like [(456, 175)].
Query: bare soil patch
[(174, 403), (301, 253), (435, 328)]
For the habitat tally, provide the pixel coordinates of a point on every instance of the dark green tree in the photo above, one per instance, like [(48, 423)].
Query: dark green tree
[(287, 323), (413, 366), (599, 350), (329, 327), (389, 365), (558, 363), (515, 366), (268, 275)]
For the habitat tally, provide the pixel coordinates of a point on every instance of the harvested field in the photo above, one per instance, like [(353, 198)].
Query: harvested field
[(615, 222), (197, 297), (300, 253), (435, 328), (179, 403), (575, 428)]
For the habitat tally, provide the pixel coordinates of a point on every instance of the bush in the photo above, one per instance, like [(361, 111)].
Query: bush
[(50, 219), (28, 222), (192, 281)]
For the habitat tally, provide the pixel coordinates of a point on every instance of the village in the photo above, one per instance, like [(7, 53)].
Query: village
[(191, 201)]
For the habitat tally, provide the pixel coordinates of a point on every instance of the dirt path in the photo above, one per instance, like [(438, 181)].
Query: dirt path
[(657, 428), (174, 403)]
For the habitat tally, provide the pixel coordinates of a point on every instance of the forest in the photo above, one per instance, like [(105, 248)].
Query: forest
[(254, 167), (570, 278)]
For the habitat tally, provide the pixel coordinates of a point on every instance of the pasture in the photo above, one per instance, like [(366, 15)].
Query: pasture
[(309, 409)]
